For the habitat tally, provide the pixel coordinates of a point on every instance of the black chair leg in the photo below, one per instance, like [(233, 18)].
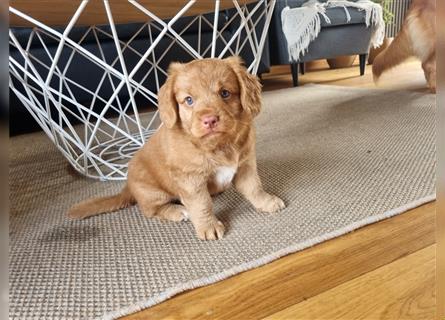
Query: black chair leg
[(363, 58), (294, 69), (302, 67)]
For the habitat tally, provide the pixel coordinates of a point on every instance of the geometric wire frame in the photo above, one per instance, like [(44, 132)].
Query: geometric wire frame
[(104, 138)]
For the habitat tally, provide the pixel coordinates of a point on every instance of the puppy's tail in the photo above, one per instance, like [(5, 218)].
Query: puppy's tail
[(397, 52), (96, 206)]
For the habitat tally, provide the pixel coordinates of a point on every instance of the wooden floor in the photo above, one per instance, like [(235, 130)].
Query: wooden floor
[(382, 271)]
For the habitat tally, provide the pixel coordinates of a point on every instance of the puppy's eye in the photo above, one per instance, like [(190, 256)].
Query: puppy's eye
[(225, 94), (189, 100)]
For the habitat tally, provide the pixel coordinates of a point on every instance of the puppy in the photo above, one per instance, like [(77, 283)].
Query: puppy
[(416, 38), (206, 142)]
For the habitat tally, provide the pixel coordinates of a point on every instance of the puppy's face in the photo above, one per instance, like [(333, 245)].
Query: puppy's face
[(207, 94), (209, 100)]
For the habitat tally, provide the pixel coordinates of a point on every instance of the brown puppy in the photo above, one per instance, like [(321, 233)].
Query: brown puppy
[(207, 141), (416, 38)]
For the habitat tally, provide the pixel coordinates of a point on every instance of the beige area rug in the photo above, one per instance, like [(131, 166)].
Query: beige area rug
[(341, 158)]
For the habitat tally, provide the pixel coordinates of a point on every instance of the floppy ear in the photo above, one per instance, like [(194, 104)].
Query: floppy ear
[(167, 105), (250, 87)]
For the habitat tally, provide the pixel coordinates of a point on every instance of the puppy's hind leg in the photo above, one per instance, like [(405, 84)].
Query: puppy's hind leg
[(429, 69), (149, 199), (172, 212), (397, 52)]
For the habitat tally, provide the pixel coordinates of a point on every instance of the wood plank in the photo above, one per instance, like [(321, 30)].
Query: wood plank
[(404, 289), (297, 277), (59, 12)]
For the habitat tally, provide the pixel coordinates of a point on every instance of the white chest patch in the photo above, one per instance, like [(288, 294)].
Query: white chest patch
[(224, 175)]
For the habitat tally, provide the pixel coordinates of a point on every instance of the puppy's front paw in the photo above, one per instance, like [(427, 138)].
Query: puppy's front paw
[(210, 231), (270, 204)]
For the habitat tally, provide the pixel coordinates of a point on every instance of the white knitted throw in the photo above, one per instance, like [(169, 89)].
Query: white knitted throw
[(302, 25)]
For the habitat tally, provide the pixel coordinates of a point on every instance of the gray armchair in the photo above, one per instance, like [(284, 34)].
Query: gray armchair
[(335, 39)]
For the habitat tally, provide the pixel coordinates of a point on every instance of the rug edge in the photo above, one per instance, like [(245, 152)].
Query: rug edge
[(264, 260)]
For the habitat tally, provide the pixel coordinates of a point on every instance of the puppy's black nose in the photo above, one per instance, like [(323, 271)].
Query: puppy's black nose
[(210, 122)]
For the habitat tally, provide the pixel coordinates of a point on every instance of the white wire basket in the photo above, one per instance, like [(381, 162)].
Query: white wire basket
[(98, 137)]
